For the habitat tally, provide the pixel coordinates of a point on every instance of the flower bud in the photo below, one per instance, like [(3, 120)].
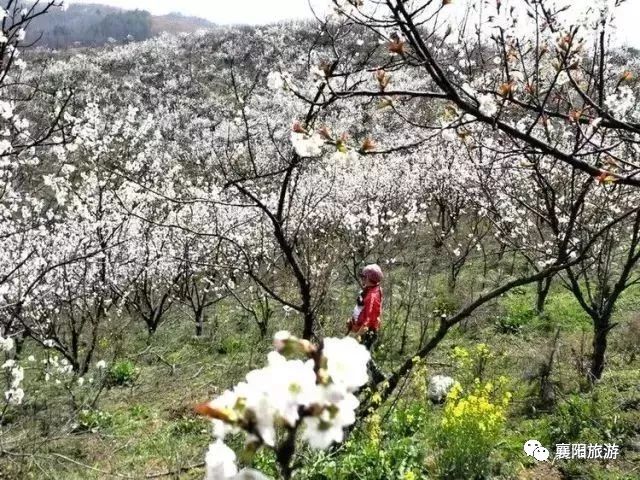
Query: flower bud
[(215, 413), (367, 145)]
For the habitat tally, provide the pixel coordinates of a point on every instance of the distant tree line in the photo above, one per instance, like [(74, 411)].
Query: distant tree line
[(96, 25)]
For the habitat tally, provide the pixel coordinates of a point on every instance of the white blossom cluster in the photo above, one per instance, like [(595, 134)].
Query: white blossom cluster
[(316, 395), (6, 344), (307, 145), (15, 394)]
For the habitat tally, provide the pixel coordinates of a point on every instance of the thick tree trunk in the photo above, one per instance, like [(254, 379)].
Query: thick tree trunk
[(309, 322), (262, 327), (156, 314), (151, 327), (543, 287), (600, 334)]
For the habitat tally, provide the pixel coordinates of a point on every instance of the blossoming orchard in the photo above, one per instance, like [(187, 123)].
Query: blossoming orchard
[(185, 222)]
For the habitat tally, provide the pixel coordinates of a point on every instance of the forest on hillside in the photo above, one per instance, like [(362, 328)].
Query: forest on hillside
[(91, 25), (186, 223)]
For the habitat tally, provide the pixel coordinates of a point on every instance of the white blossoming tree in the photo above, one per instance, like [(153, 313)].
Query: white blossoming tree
[(524, 82)]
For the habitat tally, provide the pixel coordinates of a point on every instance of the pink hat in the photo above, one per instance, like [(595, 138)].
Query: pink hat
[(372, 272)]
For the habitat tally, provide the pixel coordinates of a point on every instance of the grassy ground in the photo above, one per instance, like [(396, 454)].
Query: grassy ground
[(146, 426)]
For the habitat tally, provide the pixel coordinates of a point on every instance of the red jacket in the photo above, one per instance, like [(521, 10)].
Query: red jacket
[(368, 308)]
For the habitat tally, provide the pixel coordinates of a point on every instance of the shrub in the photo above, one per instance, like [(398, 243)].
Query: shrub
[(471, 427), (93, 420), (472, 363), (518, 312), (445, 304), (122, 373), (587, 419), (627, 339), (230, 345)]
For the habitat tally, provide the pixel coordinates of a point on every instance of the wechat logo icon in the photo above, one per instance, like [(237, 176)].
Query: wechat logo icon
[(534, 448)]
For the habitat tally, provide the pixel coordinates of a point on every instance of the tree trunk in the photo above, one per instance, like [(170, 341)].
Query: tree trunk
[(403, 342), (309, 322), (156, 315), (262, 328), (151, 327), (543, 287), (452, 280), (601, 332), (199, 321)]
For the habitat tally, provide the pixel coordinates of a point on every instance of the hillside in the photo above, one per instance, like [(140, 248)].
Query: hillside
[(96, 25)]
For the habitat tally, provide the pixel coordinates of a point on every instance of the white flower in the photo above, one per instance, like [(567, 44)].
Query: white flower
[(317, 73), (14, 396), (6, 108), (8, 364), (621, 101), (487, 105), (257, 400), (292, 384), (21, 35), (346, 362), (48, 343), (307, 145), (5, 146), (279, 81), (221, 462), (469, 90), (17, 375), (6, 344), (516, 76), (80, 381), (321, 431), (226, 401), (101, 365), (275, 81), (345, 159), (562, 79)]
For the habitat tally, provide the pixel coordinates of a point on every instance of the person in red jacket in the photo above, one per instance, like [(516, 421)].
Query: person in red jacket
[(365, 319)]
